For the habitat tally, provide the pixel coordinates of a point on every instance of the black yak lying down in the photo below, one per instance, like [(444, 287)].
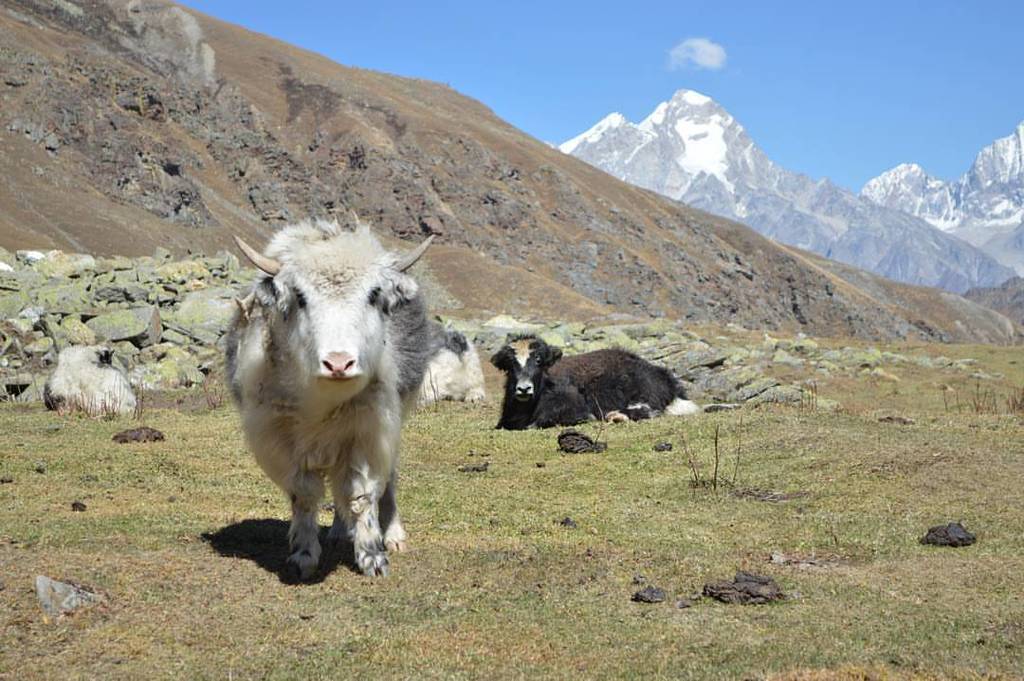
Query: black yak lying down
[(543, 389)]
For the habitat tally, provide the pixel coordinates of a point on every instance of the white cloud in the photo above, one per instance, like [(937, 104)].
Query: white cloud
[(699, 53)]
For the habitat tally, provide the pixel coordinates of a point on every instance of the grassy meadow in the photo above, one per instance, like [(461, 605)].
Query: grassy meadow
[(186, 540)]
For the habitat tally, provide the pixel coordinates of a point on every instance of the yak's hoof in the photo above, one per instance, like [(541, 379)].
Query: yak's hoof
[(301, 566), (395, 545), (394, 538), (372, 563)]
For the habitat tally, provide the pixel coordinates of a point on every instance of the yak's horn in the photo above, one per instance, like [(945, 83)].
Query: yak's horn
[(410, 259), (268, 265)]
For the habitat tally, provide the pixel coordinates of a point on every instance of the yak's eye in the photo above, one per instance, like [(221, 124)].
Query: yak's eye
[(300, 298), (374, 295)]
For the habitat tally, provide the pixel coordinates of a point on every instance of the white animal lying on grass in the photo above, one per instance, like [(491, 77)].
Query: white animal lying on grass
[(454, 372), (85, 380)]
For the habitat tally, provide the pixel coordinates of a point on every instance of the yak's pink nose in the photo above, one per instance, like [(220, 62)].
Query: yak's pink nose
[(341, 365)]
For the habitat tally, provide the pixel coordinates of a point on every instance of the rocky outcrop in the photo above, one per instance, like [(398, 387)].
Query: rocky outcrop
[(162, 317), (1007, 298)]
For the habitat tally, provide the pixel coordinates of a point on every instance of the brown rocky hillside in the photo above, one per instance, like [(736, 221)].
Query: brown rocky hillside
[(128, 125), (1007, 298)]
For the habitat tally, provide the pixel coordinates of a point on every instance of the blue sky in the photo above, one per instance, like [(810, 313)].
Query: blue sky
[(837, 89)]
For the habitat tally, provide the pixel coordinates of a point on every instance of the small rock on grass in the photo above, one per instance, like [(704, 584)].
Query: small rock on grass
[(40, 468), (143, 434), (953, 534), (663, 447), (745, 589), (568, 522), (78, 506), (649, 594), (6, 480), (574, 442), (684, 603), (58, 598)]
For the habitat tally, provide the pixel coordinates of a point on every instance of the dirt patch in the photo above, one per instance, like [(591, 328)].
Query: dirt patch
[(757, 494), (475, 467), (808, 562), (745, 589), (898, 420)]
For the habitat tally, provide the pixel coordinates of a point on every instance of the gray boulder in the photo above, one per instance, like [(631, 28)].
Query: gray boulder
[(139, 325), (59, 598)]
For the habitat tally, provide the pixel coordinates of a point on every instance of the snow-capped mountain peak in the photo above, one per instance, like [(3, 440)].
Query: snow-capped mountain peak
[(691, 149), (908, 184), (594, 134), (1000, 162), (691, 129), (985, 206)]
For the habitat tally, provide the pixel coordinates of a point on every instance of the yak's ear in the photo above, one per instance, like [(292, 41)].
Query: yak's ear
[(265, 293), (502, 359), (392, 292), (549, 356)]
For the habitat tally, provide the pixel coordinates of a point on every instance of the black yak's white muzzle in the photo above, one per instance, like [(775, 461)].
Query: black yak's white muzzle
[(524, 391)]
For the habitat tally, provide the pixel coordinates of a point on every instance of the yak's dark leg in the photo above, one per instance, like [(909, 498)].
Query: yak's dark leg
[(390, 522)]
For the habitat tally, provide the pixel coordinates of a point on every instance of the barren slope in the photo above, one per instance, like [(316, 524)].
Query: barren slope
[(128, 125)]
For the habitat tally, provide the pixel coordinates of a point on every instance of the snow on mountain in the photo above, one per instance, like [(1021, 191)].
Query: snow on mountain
[(691, 149), (592, 136), (985, 206)]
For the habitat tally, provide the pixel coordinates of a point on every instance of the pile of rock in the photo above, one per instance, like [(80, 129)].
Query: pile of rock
[(162, 317), (726, 368), (165, 318)]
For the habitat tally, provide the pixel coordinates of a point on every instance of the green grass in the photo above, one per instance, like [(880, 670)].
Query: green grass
[(494, 587)]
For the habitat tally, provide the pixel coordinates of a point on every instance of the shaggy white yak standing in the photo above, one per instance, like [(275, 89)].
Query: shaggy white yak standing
[(86, 380), (324, 358)]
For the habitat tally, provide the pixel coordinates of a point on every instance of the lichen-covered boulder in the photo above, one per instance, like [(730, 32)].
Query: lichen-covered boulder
[(121, 293), (176, 368), (751, 389), (61, 264), (182, 271), (62, 298), (39, 347), (139, 325), (12, 302), (203, 315), (74, 331)]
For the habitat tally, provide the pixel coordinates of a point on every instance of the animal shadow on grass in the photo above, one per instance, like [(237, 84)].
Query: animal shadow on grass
[(265, 542)]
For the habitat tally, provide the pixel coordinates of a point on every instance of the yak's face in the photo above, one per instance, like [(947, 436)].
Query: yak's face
[(328, 317), (524, 362)]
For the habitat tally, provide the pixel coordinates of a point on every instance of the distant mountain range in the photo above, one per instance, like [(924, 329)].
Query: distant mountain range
[(128, 125), (985, 206), (692, 150)]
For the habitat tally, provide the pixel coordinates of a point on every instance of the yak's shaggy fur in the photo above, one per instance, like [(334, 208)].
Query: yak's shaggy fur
[(543, 389), (330, 294), (86, 380), (454, 372)]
